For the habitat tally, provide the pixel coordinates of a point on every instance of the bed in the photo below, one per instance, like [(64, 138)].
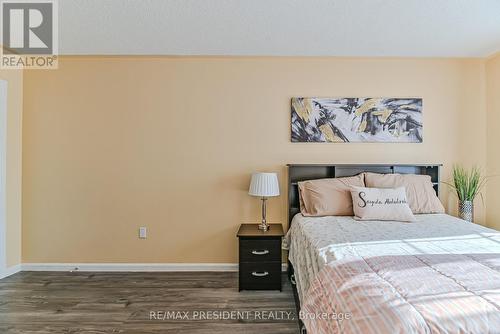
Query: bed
[(437, 275)]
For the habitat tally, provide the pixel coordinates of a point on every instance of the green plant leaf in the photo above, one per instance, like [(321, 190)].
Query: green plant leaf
[(467, 183)]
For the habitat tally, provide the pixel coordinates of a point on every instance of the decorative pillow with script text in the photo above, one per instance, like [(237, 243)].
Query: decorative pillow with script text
[(381, 204)]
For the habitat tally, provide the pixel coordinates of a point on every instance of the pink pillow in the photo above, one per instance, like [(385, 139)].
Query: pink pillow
[(328, 197), (419, 191)]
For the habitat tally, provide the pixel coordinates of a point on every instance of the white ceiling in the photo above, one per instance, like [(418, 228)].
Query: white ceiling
[(422, 28)]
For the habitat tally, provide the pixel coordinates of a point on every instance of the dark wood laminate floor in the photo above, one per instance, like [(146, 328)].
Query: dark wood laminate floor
[(84, 302)]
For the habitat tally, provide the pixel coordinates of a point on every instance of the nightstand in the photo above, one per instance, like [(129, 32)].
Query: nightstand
[(260, 257)]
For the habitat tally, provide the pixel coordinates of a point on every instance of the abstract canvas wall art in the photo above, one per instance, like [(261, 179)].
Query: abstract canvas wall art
[(396, 120)]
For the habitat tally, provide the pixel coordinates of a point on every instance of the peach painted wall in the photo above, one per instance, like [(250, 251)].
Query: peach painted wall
[(115, 143), (493, 132), (14, 80)]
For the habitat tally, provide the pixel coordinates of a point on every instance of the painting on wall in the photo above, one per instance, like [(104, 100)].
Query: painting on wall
[(342, 120)]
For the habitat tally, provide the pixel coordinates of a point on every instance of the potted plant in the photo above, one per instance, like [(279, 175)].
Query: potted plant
[(467, 184)]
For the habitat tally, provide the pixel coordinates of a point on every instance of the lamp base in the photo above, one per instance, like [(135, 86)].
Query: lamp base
[(263, 227)]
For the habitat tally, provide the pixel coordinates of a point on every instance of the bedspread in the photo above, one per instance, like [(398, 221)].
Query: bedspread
[(431, 293), (437, 275)]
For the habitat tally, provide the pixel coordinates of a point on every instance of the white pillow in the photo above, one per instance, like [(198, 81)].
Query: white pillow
[(381, 204)]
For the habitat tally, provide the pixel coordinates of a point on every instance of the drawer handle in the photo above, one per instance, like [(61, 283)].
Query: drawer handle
[(261, 274), (260, 252)]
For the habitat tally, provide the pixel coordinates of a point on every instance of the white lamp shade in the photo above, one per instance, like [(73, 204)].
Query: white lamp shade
[(264, 185)]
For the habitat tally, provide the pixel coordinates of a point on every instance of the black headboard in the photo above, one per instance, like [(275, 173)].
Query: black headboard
[(298, 173)]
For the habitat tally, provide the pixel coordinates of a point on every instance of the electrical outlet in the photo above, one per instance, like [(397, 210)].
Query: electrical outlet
[(143, 232)]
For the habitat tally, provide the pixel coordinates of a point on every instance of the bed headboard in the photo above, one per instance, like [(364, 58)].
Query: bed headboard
[(298, 173)]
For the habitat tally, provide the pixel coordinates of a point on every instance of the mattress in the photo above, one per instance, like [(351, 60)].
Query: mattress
[(314, 242)]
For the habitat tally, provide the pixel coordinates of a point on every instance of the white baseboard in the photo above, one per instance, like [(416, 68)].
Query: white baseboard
[(10, 271), (132, 267)]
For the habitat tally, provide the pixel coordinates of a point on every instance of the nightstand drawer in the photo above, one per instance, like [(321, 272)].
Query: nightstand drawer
[(260, 276), (259, 250)]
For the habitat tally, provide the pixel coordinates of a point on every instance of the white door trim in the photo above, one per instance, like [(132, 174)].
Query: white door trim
[(3, 175)]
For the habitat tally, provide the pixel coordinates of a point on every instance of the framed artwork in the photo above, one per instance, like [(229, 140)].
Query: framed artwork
[(365, 119)]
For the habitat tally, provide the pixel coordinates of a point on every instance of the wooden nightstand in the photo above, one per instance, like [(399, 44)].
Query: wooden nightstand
[(260, 257)]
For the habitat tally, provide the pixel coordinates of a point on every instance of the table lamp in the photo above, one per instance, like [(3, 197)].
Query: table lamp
[(264, 185)]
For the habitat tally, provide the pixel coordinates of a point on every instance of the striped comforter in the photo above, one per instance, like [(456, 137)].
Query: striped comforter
[(438, 275)]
